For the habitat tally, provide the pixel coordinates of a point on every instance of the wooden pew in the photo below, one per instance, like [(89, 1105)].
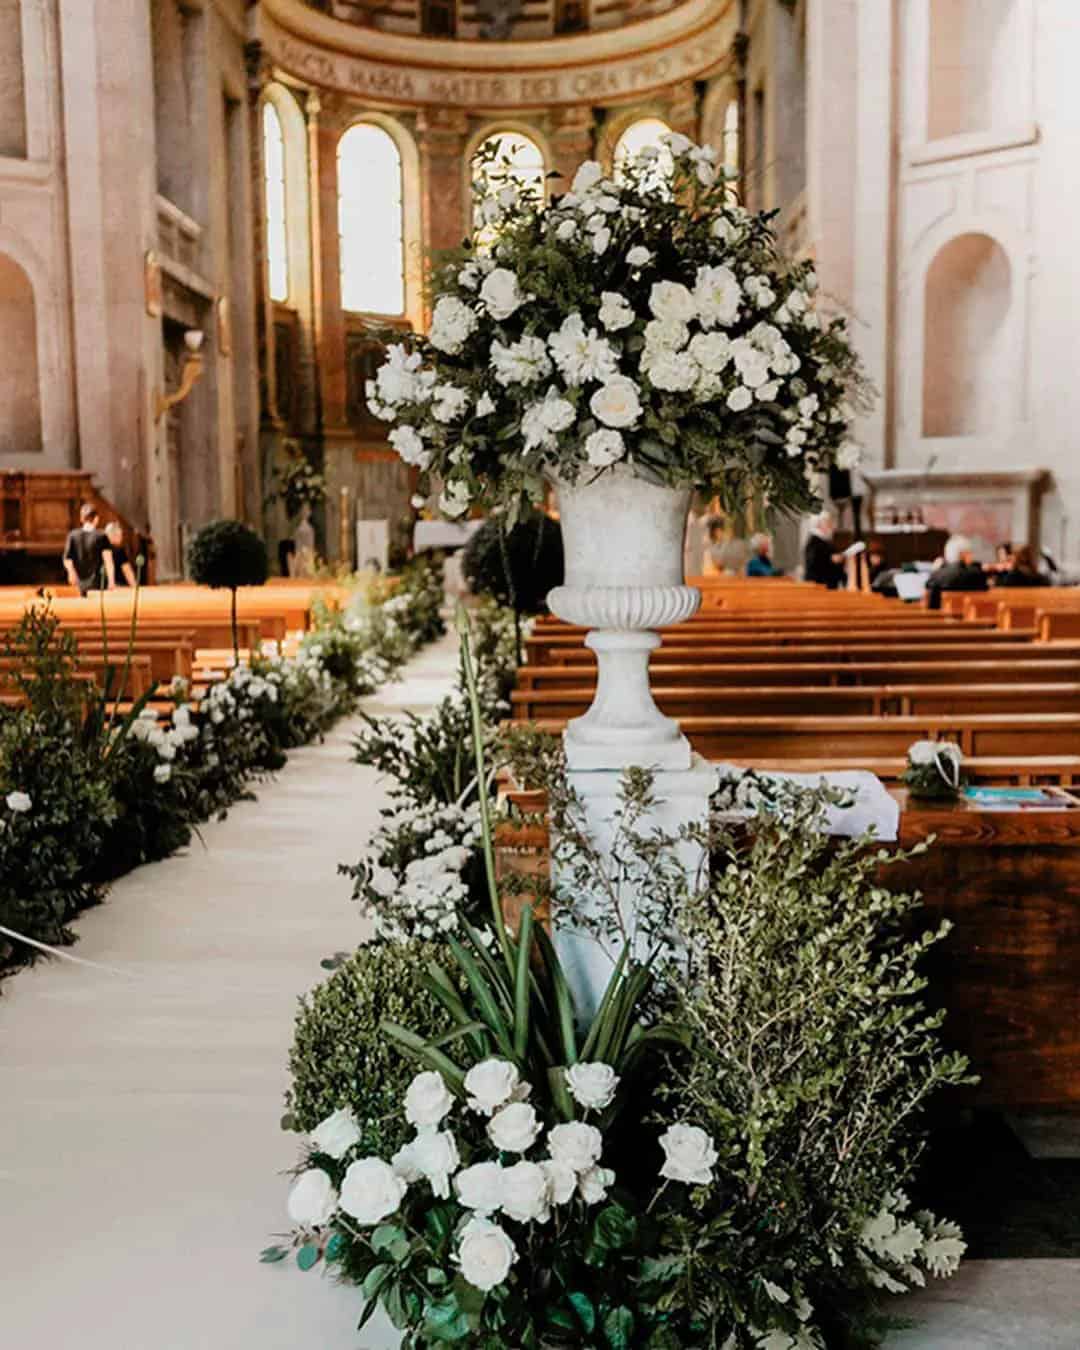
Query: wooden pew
[(838, 652)]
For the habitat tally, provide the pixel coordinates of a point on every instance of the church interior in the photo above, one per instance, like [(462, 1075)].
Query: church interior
[(270, 602)]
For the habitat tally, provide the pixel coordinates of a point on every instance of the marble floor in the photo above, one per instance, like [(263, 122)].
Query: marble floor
[(140, 1155)]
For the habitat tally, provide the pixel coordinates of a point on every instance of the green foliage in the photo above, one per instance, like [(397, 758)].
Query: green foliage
[(339, 1058), (516, 567), (813, 1060), (226, 554)]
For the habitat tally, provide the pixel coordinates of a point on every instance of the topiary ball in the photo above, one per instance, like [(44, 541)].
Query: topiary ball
[(518, 567), (341, 1058), (228, 553)]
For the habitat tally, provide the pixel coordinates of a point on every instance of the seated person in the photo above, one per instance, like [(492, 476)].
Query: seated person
[(959, 572), (875, 561), (1024, 570), (761, 563), (88, 559), (725, 553), (123, 572), (821, 564)]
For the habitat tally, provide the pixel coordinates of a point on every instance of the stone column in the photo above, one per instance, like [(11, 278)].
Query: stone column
[(443, 208), (572, 134), (684, 114), (326, 121)]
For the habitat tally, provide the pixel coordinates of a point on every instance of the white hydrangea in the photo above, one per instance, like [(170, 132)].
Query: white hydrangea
[(541, 422), (449, 402), (666, 335), (674, 372), (409, 445), (453, 322), (712, 351)]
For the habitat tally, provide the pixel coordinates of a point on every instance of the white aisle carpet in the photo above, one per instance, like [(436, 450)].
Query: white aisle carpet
[(139, 1139)]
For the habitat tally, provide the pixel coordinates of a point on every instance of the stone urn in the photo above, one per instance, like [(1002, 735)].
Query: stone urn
[(623, 544)]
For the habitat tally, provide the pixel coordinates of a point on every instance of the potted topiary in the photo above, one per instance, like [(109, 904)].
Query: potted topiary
[(228, 554)]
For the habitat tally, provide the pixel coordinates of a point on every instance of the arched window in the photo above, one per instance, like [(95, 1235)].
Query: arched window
[(730, 149), (966, 357), (501, 158), (277, 236), (371, 221), (638, 136)]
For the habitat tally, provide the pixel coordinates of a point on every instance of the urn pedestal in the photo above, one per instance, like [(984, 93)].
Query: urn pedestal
[(623, 544)]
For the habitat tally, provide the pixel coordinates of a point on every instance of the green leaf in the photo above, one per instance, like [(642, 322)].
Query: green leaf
[(335, 1248), (388, 1240), (269, 1255), (445, 1320), (583, 1306), (564, 1002), (618, 1327), (375, 1279), (307, 1256), (521, 984)]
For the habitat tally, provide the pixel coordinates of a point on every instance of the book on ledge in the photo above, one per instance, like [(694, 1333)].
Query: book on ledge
[(1020, 798)]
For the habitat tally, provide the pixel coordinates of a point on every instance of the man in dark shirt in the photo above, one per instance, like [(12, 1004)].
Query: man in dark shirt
[(88, 560), (959, 572), (820, 563)]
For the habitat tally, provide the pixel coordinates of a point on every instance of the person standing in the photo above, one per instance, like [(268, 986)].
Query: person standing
[(821, 564), (88, 559)]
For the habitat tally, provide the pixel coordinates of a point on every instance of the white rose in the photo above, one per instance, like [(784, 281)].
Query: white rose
[(18, 801), (600, 242), (766, 393), (371, 1191), (674, 372), (562, 1181), (491, 1084), (162, 773), (671, 300), (485, 405), (739, 399), (592, 1086), (452, 324), (525, 1195), (616, 403), (501, 293), (514, 1128), (435, 1154), (593, 1184), (676, 142), (485, 1254), (717, 295), (587, 176), (404, 1165), (638, 256), (712, 351), (723, 229), (689, 1155), (480, 1187), (604, 447), (406, 441), (335, 1135), (665, 335), (575, 1145), (565, 230), (616, 312), (312, 1199), (449, 402), (427, 1099), (454, 499)]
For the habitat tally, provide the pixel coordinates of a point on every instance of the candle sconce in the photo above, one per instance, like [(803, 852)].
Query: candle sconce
[(190, 373)]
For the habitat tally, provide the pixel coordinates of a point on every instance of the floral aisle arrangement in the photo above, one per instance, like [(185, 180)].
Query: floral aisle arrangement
[(100, 794), (650, 321), (720, 1157)]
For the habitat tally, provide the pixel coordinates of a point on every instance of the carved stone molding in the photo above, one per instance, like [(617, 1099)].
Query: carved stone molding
[(599, 68)]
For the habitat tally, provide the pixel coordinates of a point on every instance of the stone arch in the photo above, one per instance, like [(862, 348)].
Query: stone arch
[(20, 382), (967, 346)]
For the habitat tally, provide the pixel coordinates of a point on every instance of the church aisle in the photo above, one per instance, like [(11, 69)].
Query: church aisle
[(139, 1135)]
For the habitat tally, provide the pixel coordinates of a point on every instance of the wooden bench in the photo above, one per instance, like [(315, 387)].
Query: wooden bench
[(839, 652)]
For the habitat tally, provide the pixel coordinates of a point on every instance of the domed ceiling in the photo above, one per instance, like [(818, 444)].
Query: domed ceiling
[(493, 20)]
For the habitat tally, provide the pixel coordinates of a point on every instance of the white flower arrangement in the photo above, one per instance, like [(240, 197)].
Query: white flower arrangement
[(934, 769), (650, 320)]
